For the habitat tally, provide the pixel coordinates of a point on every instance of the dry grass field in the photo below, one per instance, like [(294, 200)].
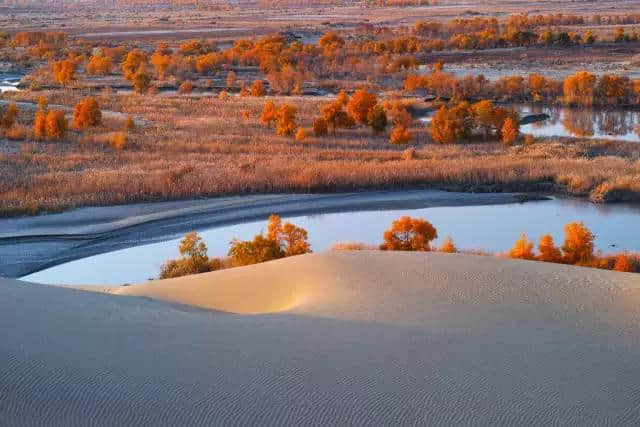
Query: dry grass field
[(196, 144)]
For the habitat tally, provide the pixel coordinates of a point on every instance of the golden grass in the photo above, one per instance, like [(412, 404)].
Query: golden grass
[(192, 147)]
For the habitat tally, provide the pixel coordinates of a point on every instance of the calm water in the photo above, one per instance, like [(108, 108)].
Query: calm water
[(586, 123), (9, 82), (493, 228), (619, 125)]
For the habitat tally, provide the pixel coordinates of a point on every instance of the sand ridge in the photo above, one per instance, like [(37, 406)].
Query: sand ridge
[(362, 338)]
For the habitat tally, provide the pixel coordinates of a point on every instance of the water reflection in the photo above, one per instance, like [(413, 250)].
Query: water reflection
[(493, 228), (620, 125)]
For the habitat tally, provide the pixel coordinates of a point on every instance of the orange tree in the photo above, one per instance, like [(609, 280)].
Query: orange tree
[(55, 124), (522, 249), (578, 243), (63, 71), (360, 105), (409, 234), (87, 113), (286, 120)]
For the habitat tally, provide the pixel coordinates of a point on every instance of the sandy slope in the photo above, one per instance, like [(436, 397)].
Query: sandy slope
[(343, 338)]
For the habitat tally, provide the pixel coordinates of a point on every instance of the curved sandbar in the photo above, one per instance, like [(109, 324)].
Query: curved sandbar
[(360, 338)]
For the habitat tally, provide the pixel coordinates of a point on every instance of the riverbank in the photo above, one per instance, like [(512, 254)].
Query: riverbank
[(458, 338), (29, 244)]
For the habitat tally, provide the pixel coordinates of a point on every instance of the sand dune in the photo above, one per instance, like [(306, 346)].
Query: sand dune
[(329, 339)]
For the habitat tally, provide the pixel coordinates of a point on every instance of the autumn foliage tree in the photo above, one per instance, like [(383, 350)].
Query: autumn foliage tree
[(409, 234), (335, 116), (8, 118), (523, 248), (268, 116), (193, 259), (141, 82), (160, 63), (135, 62), (400, 135), (286, 120), (623, 264), (40, 125), (509, 131), (579, 88), (55, 124), (377, 118), (87, 113), (63, 71), (99, 65), (450, 125), (360, 105), (547, 250), (578, 244), (281, 240)]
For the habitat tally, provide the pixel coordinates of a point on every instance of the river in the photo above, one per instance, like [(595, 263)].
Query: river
[(488, 227)]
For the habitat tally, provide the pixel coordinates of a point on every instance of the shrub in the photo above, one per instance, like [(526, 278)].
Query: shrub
[(16, 132), (268, 116), (523, 248), (448, 246), (409, 234), (282, 240), (400, 135), (258, 250), (117, 140), (87, 113), (193, 259), (409, 154), (10, 115), (623, 263)]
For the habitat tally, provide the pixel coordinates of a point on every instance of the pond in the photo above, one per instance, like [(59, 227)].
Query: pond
[(620, 125), (489, 227), (617, 125), (9, 82)]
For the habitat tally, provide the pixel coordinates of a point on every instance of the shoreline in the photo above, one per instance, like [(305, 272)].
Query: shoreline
[(34, 243)]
